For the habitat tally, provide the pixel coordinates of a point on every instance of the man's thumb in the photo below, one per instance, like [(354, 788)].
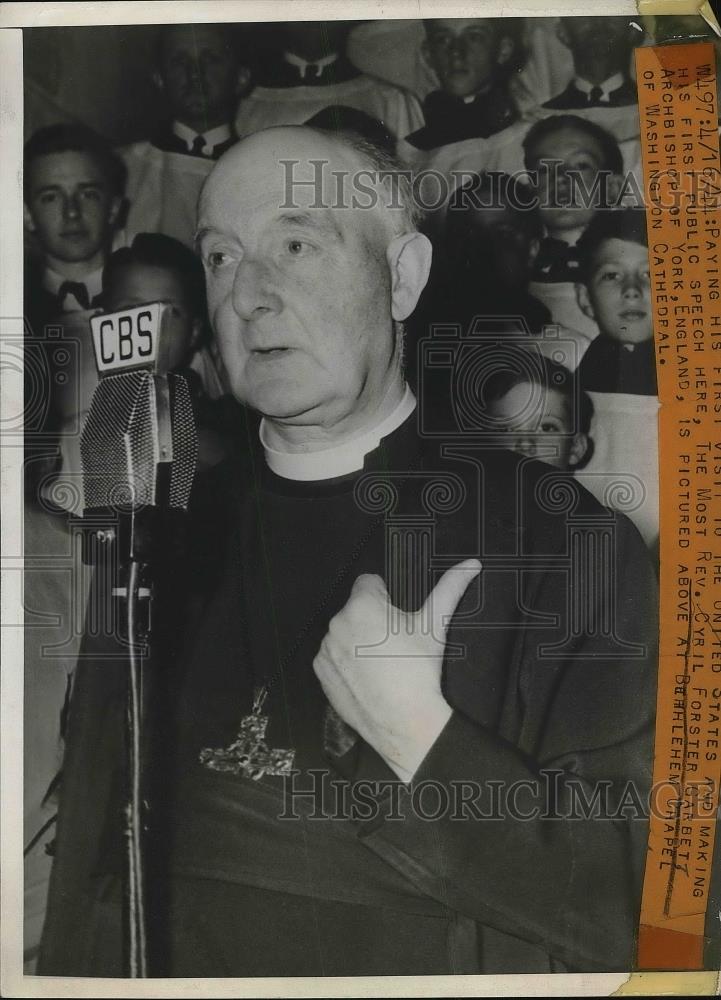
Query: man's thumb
[(447, 593)]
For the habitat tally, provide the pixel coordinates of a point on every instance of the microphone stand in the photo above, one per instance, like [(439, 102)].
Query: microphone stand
[(119, 541), (139, 451)]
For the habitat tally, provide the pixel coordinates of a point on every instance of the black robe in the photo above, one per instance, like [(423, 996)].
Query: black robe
[(236, 891)]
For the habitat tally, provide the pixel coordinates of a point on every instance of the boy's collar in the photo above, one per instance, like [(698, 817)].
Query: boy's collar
[(607, 87), (93, 281), (213, 136)]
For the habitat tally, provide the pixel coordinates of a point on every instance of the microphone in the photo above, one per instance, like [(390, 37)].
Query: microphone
[(139, 452), (139, 447)]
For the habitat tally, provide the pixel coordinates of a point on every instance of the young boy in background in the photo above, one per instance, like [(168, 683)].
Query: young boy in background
[(157, 268), (566, 154), (73, 193), (576, 168), (619, 368), (614, 289), (473, 59), (543, 411)]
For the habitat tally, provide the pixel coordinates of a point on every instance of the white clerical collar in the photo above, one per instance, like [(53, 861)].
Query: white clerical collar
[(52, 282), (341, 459), (213, 137), (303, 65), (606, 88)]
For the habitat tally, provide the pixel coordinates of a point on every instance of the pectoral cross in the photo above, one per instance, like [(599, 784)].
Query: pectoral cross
[(249, 754)]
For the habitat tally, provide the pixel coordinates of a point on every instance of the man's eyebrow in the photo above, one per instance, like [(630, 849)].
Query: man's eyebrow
[(320, 221), (200, 236)]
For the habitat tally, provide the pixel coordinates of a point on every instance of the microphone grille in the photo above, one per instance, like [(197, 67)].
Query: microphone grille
[(119, 443)]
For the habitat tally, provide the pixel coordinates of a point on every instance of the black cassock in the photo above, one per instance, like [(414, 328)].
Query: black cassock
[(233, 889)]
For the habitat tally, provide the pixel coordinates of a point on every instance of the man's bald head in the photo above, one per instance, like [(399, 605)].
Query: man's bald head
[(310, 256), (313, 168)]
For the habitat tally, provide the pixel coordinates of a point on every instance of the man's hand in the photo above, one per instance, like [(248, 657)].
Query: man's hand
[(388, 686)]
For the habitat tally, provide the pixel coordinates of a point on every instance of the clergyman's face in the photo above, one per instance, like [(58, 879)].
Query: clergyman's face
[(298, 297), (70, 209)]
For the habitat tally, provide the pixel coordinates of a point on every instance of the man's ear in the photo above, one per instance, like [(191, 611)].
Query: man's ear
[(584, 301), (409, 259), (28, 219), (579, 447)]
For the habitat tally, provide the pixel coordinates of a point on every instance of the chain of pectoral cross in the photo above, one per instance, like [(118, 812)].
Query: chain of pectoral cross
[(249, 755)]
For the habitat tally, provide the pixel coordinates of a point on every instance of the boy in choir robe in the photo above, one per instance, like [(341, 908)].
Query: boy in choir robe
[(474, 59), (614, 289), (73, 191), (601, 48), (307, 70), (200, 74), (576, 169), (619, 368)]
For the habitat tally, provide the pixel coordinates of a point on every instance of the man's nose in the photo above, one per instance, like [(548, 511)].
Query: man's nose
[(458, 48), (252, 291), (71, 207)]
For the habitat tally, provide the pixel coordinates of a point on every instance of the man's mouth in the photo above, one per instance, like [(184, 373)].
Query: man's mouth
[(270, 351), (74, 234), (633, 315)]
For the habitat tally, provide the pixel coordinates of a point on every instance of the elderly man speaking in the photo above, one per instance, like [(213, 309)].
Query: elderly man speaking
[(391, 737)]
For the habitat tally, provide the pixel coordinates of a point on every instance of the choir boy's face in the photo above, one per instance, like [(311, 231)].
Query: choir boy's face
[(137, 284), (71, 209), (465, 52), (299, 296), (537, 423), (567, 160), (618, 292), (606, 39), (200, 74)]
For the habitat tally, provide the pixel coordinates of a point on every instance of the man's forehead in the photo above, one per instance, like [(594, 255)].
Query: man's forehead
[(292, 170)]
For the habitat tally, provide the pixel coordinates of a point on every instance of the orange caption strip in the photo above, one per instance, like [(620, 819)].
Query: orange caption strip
[(682, 190)]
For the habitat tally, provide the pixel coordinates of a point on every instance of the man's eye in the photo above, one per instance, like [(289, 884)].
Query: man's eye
[(549, 428), (48, 198), (91, 194), (296, 248), (216, 259), (610, 275)]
